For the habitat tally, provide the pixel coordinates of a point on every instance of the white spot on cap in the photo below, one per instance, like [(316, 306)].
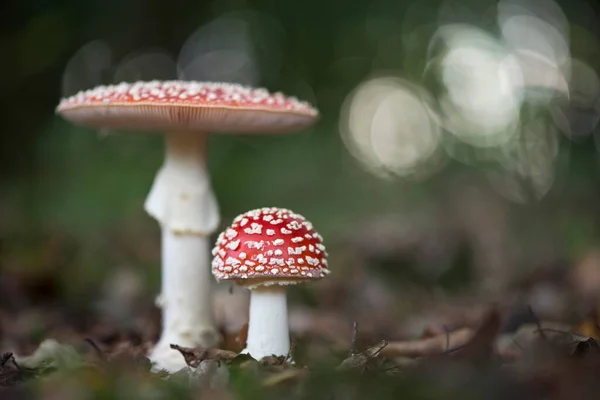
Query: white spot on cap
[(254, 229), (232, 261), (294, 225), (217, 262), (233, 245), (312, 261), (255, 245)]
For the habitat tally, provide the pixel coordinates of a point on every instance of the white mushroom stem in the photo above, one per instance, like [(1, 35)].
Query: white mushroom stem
[(181, 196), (268, 330), (182, 201)]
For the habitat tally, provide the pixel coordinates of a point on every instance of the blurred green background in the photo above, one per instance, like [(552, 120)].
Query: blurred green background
[(71, 199)]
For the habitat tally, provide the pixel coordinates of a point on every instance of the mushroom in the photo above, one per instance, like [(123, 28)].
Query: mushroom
[(181, 198), (266, 250)]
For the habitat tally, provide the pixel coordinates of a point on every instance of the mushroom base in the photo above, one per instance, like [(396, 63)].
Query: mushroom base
[(268, 330), (185, 299)]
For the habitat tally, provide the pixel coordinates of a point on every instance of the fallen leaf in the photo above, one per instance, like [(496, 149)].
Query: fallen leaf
[(428, 346), (360, 361), (481, 346), (194, 356)]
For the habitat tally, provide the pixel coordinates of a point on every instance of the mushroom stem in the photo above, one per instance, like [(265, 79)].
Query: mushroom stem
[(182, 201), (181, 196), (268, 331)]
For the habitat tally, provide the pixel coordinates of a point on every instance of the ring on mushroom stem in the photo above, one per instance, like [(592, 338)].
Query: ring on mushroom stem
[(266, 250), (181, 198)]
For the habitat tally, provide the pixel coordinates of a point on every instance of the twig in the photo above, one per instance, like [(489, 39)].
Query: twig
[(538, 324), (354, 338), (447, 331), (288, 358), (518, 345), (97, 349)]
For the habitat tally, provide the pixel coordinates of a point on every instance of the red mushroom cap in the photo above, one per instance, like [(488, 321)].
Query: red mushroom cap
[(187, 105), (269, 246)]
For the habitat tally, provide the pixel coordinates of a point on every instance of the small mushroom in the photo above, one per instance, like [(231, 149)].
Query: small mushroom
[(265, 250), (181, 198)]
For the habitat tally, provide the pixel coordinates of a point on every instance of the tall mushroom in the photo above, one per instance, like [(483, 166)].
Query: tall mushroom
[(181, 198), (266, 250)]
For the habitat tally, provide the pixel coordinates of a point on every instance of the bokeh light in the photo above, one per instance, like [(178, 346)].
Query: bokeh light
[(499, 98), (146, 66), (239, 47), (479, 103), (87, 68), (389, 126)]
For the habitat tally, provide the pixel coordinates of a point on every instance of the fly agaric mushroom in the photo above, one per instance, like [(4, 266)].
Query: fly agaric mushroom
[(266, 250), (181, 198)]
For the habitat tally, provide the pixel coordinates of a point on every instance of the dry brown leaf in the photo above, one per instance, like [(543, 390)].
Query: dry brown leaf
[(360, 361), (194, 356), (481, 346), (429, 346)]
